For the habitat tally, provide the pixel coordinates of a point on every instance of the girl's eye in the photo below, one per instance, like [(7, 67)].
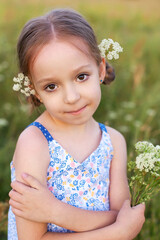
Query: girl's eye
[(51, 87), (82, 77)]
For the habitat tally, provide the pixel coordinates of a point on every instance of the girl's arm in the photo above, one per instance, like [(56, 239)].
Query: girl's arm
[(128, 224), (44, 207), (30, 158), (119, 189)]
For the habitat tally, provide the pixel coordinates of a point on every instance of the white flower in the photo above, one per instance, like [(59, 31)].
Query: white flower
[(110, 41), (117, 47), (25, 93), (144, 146), (27, 89), (115, 54), (26, 83), (146, 161), (157, 147), (114, 47), (32, 92), (109, 56), (16, 87), (16, 80), (23, 85), (22, 91), (20, 76)]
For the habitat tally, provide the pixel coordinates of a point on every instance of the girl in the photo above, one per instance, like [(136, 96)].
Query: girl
[(62, 69)]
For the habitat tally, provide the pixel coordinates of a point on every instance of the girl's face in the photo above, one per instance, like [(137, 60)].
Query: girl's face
[(67, 82)]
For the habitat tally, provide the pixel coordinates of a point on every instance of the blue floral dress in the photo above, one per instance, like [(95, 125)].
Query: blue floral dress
[(84, 185)]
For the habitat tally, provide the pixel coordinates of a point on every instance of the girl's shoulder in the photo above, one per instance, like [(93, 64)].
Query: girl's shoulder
[(117, 138), (31, 153), (31, 137)]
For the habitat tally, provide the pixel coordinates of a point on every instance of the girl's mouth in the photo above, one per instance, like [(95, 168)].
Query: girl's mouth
[(77, 111)]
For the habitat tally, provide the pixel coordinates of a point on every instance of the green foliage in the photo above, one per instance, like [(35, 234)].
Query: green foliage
[(130, 104)]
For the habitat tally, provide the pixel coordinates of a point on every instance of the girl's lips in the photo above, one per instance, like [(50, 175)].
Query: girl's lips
[(78, 111)]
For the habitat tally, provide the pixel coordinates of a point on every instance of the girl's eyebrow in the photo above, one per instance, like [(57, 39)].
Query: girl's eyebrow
[(73, 72), (81, 67)]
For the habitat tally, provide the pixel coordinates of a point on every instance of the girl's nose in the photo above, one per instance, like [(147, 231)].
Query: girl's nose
[(71, 94)]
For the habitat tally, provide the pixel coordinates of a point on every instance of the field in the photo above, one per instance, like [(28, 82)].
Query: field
[(130, 104)]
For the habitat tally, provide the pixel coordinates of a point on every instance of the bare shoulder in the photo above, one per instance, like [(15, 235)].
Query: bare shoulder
[(119, 146), (116, 137), (31, 153), (31, 137)]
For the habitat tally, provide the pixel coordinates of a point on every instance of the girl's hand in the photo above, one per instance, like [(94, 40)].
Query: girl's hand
[(131, 219), (31, 201)]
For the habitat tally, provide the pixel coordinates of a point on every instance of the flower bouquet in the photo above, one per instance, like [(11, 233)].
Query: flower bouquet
[(145, 172)]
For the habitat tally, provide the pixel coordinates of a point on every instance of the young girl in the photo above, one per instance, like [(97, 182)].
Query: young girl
[(81, 189)]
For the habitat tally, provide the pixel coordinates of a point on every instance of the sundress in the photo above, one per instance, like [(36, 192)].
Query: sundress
[(84, 185)]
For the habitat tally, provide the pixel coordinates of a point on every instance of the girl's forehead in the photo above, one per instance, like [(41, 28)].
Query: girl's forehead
[(71, 44), (60, 55)]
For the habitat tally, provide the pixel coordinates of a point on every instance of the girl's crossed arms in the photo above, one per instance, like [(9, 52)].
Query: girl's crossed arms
[(33, 201)]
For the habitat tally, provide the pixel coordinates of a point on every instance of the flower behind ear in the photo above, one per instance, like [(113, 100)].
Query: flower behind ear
[(110, 49), (23, 84)]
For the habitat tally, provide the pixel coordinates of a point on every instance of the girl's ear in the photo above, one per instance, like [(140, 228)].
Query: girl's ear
[(38, 97), (102, 69)]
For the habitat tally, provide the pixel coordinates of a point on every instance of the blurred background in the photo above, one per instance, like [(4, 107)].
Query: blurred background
[(130, 104)]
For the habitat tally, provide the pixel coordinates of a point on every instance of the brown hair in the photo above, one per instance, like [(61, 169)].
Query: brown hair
[(58, 24)]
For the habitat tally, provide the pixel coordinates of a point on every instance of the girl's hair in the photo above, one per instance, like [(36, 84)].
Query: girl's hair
[(57, 24)]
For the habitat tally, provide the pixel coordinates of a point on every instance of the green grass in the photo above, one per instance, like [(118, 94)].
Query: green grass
[(130, 104)]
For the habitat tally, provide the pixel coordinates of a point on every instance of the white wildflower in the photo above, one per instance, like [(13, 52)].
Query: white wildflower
[(110, 41), (22, 91), (109, 56), (21, 76), (115, 54), (144, 146), (110, 49), (27, 89), (16, 80), (26, 83), (117, 47), (32, 92), (146, 172), (23, 85), (16, 87), (146, 161), (157, 147)]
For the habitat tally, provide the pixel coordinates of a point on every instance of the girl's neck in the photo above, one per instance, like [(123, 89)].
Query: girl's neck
[(61, 127)]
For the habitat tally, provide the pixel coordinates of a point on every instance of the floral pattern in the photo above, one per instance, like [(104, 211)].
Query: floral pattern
[(84, 185)]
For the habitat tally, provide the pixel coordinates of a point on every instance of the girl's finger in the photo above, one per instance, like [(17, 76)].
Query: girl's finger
[(17, 212), (15, 196), (32, 181), (19, 187), (15, 204)]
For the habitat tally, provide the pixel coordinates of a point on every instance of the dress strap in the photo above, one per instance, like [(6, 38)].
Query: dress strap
[(103, 127), (45, 132), (49, 137)]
